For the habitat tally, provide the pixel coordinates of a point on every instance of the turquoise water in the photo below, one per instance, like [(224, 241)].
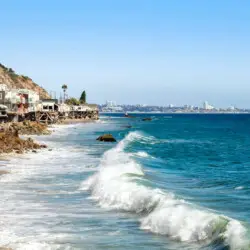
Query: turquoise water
[(176, 182)]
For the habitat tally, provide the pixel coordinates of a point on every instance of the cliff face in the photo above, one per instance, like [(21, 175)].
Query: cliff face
[(15, 81)]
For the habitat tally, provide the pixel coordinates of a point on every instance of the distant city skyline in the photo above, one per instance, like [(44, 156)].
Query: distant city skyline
[(204, 105), (205, 108), (134, 51)]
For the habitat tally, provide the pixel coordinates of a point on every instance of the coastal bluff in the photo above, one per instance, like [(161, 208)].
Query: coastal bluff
[(14, 81)]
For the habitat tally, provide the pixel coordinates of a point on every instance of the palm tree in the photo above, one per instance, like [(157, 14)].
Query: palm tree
[(64, 87)]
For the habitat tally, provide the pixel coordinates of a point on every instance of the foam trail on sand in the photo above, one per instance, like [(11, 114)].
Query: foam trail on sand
[(115, 186)]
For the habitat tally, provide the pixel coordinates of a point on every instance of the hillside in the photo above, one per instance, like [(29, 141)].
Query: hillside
[(15, 81)]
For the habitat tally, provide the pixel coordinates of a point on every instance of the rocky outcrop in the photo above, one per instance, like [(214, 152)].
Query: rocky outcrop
[(2, 172), (147, 119), (10, 142), (129, 116), (15, 81), (106, 138), (25, 128)]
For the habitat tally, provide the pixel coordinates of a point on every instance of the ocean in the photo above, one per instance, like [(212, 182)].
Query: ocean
[(180, 181)]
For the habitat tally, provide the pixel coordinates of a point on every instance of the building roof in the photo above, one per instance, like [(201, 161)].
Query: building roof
[(50, 100), (3, 107)]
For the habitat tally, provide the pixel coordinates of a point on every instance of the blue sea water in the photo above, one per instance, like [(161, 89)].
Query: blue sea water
[(176, 182)]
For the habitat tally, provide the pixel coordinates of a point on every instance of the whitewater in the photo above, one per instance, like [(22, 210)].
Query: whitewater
[(118, 185)]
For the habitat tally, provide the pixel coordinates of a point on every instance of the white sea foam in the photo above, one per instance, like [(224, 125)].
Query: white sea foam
[(142, 154), (30, 221), (114, 187)]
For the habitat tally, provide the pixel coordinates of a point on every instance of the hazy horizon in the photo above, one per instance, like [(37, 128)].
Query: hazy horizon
[(132, 52)]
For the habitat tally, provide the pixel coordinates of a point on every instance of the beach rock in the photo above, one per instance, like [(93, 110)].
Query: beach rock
[(147, 119), (11, 142), (26, 128), (1, 173), (106, 138), (129, 116)]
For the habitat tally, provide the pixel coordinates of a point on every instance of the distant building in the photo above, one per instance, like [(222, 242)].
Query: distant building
[(207, 106), (232, 108), (112, 109), (110, 103)]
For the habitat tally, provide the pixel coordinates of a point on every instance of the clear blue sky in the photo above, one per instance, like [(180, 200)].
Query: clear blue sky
[(132, 51)]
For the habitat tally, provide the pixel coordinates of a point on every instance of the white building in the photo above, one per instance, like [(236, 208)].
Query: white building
[(207, 106), (110, 103), (84, 107), (113, 109), (3, 87), (63, 108), (48, 105), (20, 100)]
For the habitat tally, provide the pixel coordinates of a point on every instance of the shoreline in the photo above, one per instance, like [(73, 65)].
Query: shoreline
[(15, 135), (6, 170), (49, 130), (6, 157), (75, 121)]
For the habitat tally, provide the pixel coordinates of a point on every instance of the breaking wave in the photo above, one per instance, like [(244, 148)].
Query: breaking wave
[(120, 184)]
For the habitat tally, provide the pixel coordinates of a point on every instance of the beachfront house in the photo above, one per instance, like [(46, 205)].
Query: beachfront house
[(49, 105), (3, 112), (3, 89), (84, 107), (27, 100), (63, 108), (18, 100)]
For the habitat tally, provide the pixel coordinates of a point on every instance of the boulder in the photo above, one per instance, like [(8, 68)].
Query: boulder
[(106, 138), (147, 119), (129, 116), (1, 173), (11, 142)]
